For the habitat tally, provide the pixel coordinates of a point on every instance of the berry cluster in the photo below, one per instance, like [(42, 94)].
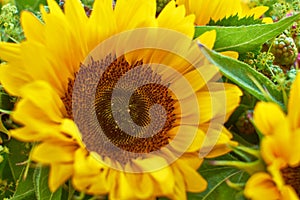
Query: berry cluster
[(285, 51), (10, 29)]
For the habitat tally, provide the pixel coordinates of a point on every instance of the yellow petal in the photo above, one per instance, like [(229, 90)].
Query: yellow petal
[(217, 140), (257, 12), (218, 101), (30, 111), (123, 189), (260, 186), (179, 190), (10, 51), (174, 18), (69, 128), (267, 116), (276, 150), (134, 14), (59, 174), (54, 152), (163, 176), (192, 159), (33, 27), (281, 145), (27, 134), (193, 180), (289, 193), (293, 105), (185, 135), (47, 72), (150, 164), (232, 54), (191, 82), (275, 170), (233, 97), (208, 38), (13, 82), (86, 165), (142, 184), (54, 8), (267, 20), (77, 19), (197, 142), (90, 175), (295, 155), (102, 14)]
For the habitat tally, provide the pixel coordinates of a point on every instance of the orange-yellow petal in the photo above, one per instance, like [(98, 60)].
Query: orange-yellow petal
[(208, 38), (267, 116), (59, 174), (293, 105), (260, 186)]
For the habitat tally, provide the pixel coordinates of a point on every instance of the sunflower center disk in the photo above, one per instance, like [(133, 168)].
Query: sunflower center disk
[(134, 111), (291, 177), (133, 138)]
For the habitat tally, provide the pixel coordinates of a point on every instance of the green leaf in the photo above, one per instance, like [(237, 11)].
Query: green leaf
[(6, 103), (3, 129), (216, 177), (242, 74), (42, 191), (246, 38), (234, 20), (25, 189), (29, 4), (19, 152)]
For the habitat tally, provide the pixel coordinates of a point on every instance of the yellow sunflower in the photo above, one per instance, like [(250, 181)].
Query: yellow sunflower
[(66, 72), (219, 9), (280, 150)]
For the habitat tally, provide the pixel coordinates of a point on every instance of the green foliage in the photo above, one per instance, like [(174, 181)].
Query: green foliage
[(242, 74), (10, 29), (29, 4), (234, 20), (160, 4), (13, 167), (22, 180), (25, 187), (6, 101), (246, 38), (217, 177), (40, 180)]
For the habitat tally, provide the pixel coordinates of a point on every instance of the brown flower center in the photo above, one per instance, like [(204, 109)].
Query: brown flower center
[(291, 176), (140, 103), (67, 99)]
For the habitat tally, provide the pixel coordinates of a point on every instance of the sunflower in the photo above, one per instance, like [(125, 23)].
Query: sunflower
[(218, 9), (67, 73), (279, 148)]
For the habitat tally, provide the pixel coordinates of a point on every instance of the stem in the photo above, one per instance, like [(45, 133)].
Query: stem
[(249, 167), (236, 186), (70, 191), (250, 151), (80, 197), (285, 98)]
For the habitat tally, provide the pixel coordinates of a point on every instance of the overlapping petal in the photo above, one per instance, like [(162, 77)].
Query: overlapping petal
[(46, 64)]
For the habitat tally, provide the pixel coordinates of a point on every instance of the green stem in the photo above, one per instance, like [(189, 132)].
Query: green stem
[(70, 191), (80, 197), (285, 97), (251, 151), (249, 167), (236, 186)]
